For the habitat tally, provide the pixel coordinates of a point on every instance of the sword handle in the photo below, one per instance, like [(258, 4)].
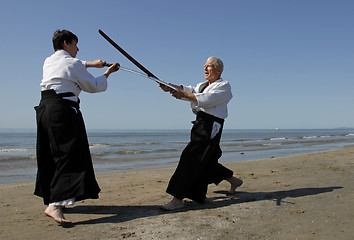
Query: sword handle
[(109, 64)]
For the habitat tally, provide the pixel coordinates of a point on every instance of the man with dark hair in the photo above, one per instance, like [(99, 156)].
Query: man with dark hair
[(65, 171), (61, 36), (198, 165)]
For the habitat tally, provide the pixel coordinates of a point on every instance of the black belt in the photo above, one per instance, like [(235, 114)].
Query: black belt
[(210, 117), (50, 96)]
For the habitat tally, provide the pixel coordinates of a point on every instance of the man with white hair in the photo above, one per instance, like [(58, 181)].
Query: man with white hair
[(198, 166)]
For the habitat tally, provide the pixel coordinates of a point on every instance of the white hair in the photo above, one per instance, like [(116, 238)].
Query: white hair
[(217, 63)]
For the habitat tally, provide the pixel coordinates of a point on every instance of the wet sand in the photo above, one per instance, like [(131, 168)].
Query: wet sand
[(308, 196)]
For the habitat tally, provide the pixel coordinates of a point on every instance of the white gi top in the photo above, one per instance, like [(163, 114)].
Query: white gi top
[(63, 73), (213, 99)]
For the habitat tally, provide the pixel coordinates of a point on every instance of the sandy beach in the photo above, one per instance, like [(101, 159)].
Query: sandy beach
[(308, 196)]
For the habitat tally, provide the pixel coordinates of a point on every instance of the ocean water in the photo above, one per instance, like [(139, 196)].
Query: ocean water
[(117, 150)]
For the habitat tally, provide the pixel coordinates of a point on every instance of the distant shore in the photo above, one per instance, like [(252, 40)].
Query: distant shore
[(308, 196)]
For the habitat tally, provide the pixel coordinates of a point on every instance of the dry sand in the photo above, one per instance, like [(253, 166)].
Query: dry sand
[(307, 196)]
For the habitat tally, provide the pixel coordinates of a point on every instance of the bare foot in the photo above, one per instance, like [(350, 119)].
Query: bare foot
[(174, 204), (56, 213), (235, 183)]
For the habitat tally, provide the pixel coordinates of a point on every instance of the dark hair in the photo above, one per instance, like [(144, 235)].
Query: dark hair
[(60, 36)]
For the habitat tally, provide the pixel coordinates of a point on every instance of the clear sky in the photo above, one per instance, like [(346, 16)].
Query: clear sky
[(290, 62)]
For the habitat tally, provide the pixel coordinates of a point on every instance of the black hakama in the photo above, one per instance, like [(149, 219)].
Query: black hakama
[(64, 161), (198, 165)]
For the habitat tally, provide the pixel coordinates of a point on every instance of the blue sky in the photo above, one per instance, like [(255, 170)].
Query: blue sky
[(290, 62)]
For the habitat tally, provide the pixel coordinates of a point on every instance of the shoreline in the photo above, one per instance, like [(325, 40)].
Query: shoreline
[(307, 196), (100, 168), (119, 150)]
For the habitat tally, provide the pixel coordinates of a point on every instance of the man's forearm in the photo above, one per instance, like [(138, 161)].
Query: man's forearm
[(190, 96)]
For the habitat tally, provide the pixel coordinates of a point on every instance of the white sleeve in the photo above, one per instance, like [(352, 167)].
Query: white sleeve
[(86, 81), (188, 89), (214, 97)]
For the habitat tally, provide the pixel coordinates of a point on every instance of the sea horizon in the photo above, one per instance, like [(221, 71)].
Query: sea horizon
[(122, 149)]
